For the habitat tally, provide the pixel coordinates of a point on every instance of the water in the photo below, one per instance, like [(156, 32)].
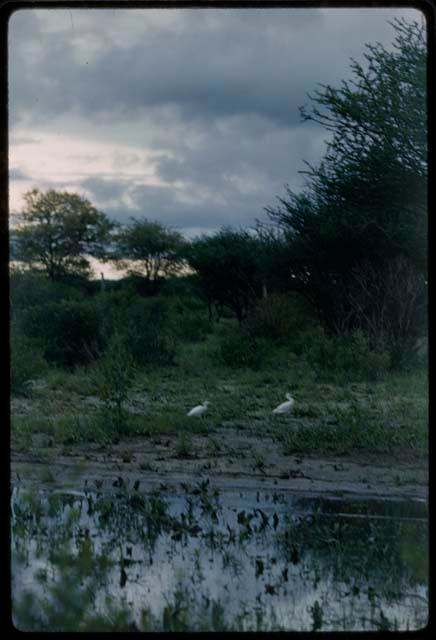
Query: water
[(204, 560)]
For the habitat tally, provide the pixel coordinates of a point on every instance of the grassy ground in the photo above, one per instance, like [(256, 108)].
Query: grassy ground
[(331, 414)]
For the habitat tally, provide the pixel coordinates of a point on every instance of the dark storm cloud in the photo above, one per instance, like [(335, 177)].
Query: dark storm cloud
[(225, 178), (171, 207), (230, 150), (104, 190), (211, 96), (206, 69)]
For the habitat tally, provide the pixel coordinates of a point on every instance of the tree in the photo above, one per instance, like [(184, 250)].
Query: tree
[(367, 200), (151, 250), (228, 270), (57, 230), (390, 306), (273, 259), (383, 107)]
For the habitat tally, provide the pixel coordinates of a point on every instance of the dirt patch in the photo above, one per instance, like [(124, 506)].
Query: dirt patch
[(229, 459)]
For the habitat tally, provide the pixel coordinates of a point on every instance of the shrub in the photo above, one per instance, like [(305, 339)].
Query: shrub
[(67, 331), (238, 350), (277, 317), (28, 289), (184, 445), (192, 326), (27, 361), (113, 376), (390, 305), (347, 356), (149, 328), (183, 287), (144, 323), (300, 343)]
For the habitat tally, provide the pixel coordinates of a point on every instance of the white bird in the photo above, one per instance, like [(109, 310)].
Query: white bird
[(285, 406), (199, 409)]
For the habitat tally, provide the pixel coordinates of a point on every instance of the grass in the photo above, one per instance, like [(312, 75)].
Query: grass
[(376, 423), (127, 456), (184, 445), (381, 415), (48, 476), (65, 429)]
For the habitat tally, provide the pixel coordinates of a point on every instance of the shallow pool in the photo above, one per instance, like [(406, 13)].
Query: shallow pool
[(200, 559)]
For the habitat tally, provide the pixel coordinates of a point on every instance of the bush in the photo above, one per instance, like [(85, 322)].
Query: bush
[(67, 331), (300, 343), (148, 344), (390, 305), (184, 445), (113, 376), (145, 324), (183, 287), (27, 361), (152, 335), (191, 325), (239, 350), (278, 317), (28, 289), (347, 356)]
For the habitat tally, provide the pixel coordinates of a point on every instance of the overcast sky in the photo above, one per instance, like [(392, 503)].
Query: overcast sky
[(189, 117)]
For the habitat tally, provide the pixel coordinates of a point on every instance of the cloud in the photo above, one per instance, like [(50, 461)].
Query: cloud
[(17, 140), (104, 190), (176, 207), (15, 173), (228, 176), (205, 64), (186, 116)]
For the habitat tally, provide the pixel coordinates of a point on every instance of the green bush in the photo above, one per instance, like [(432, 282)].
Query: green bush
[(193, 326), (27, 361), (150, 345), (188, 313), (347, 356), (183, 287), (240, 350), (112, 378), (184, 445), (67, 331), (28, 289), (277, 317), (145, 324)]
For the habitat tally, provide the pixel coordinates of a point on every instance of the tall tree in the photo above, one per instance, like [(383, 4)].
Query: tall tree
[(367, 200), (151, 250), (273, 259), (228, 270), (384, 106), (57, 230)]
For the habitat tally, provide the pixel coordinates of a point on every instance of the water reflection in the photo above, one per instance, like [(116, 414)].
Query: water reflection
[(200, 560)]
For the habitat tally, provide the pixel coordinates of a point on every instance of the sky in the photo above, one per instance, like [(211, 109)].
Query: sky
[(185, 116)]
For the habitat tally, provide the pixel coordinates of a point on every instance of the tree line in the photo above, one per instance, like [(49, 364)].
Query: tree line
[(353, 242)]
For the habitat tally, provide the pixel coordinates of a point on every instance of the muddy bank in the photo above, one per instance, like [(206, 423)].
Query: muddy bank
[(230, 461)]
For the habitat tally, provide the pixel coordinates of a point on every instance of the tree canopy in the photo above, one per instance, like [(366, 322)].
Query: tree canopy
[(228, 269), (150, 249), (57, 230), (367, 199), (383, 107)]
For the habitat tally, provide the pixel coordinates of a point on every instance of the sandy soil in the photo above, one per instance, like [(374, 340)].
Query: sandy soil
[(233, 461)]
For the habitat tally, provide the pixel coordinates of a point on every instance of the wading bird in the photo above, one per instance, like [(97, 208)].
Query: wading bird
[(285, 406), (199, 410)]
